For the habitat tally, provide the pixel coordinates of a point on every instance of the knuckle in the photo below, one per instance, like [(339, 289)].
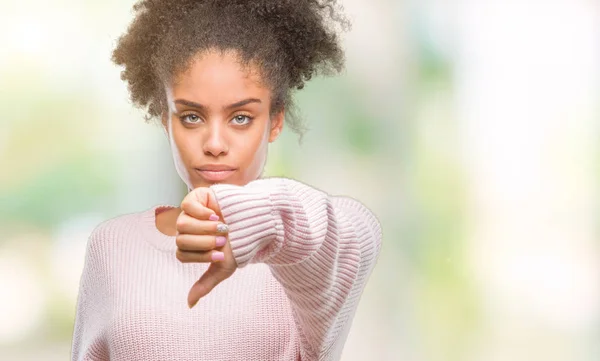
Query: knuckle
[(186, 204), (180, 222), (180, 256), (179, 241)]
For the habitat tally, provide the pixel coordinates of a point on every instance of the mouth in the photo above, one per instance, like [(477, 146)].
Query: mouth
[(215, 175)]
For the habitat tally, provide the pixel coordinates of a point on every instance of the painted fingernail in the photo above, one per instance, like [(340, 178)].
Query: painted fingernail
[(222, 228), (213, 217), (220, 241), (218, 256)]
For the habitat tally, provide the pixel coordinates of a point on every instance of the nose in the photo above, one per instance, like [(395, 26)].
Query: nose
[(215, 143)]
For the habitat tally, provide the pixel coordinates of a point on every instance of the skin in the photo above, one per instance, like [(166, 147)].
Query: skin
[(216, 80), (215, 133)]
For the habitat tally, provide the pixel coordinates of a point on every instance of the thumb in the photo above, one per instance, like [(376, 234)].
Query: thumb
[(209, 280)]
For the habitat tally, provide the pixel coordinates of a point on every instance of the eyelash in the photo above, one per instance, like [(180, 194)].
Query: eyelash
[(183, 117)]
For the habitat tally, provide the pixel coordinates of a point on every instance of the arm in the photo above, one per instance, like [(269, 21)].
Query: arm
[(88, 342), (320, 248)]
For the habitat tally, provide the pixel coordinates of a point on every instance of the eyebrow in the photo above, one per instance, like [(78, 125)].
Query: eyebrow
[(190, 103)]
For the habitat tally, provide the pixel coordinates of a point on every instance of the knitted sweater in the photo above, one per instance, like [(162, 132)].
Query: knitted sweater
[(303, 260)]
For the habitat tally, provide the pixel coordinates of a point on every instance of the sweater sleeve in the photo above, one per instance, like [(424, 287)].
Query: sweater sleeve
[(320, 248), (88, 342)]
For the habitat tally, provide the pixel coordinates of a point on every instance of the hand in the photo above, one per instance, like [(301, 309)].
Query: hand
[(202, 238)]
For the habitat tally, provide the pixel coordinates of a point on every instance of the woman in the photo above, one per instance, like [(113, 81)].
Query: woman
[(272, 268)]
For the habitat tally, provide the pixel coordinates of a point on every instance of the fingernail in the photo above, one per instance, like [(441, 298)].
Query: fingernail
[(222, 228), (220, 241), (213, 217), (218, 256), (193, 304)]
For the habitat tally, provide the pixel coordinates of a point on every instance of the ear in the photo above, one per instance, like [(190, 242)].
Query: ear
[(276, 125)]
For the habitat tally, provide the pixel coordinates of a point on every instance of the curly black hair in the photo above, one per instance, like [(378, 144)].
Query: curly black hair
[(289, 40)]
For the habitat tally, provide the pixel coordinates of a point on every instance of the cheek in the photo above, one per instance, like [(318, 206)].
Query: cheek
[(251, 148), (254, 151), (185, 144)]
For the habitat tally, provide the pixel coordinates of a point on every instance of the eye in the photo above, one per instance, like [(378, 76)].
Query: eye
[(239, 119), (190, 118)]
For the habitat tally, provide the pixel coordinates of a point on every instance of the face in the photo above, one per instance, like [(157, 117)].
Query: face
[(218, 121)]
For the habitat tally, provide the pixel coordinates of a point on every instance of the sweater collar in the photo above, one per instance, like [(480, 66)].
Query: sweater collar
[(153, 236)]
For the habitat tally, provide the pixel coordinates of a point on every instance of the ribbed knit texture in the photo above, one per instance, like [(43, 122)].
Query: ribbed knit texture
[(304, 258)]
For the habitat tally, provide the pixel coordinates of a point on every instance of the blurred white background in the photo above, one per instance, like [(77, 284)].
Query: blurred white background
[(470, 128)]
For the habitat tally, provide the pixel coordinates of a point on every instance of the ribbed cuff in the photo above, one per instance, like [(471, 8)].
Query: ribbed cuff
[(254, 225)]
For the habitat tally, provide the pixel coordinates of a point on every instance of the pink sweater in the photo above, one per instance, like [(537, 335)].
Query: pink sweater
[(304, 258)]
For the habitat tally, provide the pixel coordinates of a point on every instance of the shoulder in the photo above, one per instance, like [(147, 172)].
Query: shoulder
[(352, 207), (109, 226), (110, 231), (358, 210), (342, 202), (105, 233)]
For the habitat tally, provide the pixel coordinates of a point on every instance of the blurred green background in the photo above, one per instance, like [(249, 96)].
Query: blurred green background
[(470, 128)]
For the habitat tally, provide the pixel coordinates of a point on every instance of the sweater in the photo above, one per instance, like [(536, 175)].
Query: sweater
[(303, 258)]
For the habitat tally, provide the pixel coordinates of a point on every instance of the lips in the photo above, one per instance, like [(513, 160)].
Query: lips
[(215, 173)]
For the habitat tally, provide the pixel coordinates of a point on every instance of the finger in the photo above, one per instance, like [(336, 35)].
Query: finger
[(194, 208), (188, 224), (206, 197), (212, 202), (209, 280), (193, 242), (199, 256)]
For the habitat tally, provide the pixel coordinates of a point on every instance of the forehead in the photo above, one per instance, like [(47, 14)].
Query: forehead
[(219, 75)]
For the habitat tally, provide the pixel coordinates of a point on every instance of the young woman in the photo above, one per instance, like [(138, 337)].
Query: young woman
[(271, 268)]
